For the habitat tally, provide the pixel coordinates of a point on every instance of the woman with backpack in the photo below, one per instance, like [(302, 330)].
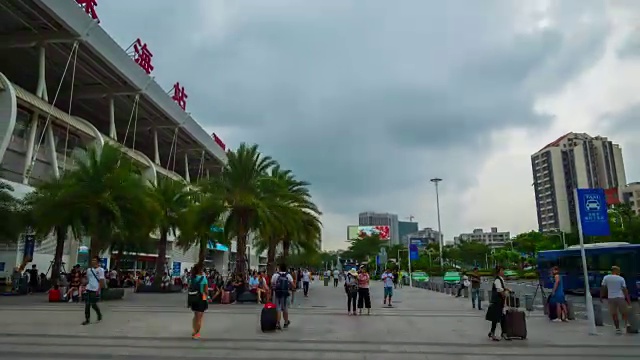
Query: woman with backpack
[(351, 288), (197, 298)]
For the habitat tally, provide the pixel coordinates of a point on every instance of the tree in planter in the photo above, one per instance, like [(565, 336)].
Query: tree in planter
[(241, 186), (363, 249), (50, 208), (11, 215), (108, 195), (196, 224), (171, 198)]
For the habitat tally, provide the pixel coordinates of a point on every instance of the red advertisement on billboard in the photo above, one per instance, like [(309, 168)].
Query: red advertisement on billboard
[(380, 230), (612, 196)]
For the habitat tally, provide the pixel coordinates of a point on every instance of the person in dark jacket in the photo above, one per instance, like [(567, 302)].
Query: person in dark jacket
[(495, 312)]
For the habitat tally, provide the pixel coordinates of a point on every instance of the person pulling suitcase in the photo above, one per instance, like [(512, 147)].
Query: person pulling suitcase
[(282, 283)]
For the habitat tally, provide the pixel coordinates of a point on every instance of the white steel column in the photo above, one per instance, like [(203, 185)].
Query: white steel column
[(41, 92), (31, 142), (51, 146), (156, 151), (112, 119), (187, 177)]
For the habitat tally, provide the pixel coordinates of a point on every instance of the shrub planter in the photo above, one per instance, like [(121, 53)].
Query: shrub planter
[(112, 294), (152, 289)]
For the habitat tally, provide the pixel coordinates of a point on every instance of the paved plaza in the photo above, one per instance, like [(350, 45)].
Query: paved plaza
[(422, 325)]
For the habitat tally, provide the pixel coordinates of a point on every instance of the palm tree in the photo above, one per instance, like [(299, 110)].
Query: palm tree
[(241, 185), (10, 213), (107, 195), (171, 199), (196, 223), (50, 210)]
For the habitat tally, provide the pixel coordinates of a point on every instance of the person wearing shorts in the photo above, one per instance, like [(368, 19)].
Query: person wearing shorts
[(387, 279), (614, 288), (201, 305), (281, 296)]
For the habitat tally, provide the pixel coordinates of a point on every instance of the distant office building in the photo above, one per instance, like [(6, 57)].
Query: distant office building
[(575, 160), (426, 235), (631, 196), (371, 218), (493, 238), (405, 228)]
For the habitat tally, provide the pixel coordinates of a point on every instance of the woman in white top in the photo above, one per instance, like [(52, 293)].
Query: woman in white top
[(495, 312)]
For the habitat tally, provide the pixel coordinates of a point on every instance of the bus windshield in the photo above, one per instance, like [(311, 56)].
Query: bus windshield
[(600, 258)]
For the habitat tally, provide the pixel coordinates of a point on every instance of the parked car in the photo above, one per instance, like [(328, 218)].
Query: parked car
[(452, 277), (419, 276), (510, 275)]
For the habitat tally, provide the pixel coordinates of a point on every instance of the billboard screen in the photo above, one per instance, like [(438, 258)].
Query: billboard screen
[(612, 196), (358, 232)]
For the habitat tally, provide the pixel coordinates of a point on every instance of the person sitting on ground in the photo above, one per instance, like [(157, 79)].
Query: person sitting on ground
[(166, 281), (254, 286), (74, 288)]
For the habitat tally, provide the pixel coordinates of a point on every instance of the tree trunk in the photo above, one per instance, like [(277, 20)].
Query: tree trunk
[(202, 251), (241, 249), (286, 247), (162, 258), (271, 258), (61, 237)]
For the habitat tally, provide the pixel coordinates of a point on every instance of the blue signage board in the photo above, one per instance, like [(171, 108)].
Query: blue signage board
[(211, 245), (103, 263), (29, 247), (216, 229), (177, 267), (592, 205), (378, 259), (413, 252), (417, 241)]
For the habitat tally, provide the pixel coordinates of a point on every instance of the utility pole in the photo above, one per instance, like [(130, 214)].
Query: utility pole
[(436, 181)]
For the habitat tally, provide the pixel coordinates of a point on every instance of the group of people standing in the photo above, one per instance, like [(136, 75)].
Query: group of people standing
[(356, 286)]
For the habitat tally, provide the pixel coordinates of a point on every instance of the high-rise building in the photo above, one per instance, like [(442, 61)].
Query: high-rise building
[(371, 218), (405, 228), (427, 235), (631, 196), (493, 238), (575, 160)]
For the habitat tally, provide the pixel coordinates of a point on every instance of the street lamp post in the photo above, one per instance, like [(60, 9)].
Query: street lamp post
[(436, 181), (559, 233)]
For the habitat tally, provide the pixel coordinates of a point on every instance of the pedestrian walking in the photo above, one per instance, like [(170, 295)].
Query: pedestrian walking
[(198, 298), (614, 288), (95, 283), (475, 288), (388, 280), (351, 288), (306, 278), (495, 312), (364, 297), (282, 283)]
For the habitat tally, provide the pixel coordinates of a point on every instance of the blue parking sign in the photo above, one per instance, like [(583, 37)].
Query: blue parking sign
[(592, 208), (175, 271)]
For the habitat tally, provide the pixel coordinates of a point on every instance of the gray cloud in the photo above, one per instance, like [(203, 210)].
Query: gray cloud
[(367, 97)]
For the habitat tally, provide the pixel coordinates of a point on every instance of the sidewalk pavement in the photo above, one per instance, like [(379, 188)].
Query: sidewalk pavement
[(421, 325)]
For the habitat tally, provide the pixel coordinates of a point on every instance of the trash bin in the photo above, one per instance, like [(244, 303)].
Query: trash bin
[(326, 281)]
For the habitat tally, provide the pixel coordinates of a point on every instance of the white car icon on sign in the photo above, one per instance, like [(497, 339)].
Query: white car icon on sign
[(592, 205)]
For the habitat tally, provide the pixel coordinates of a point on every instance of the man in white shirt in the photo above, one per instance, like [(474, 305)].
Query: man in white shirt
[(306, 278), (387, 279), (614, 288), (336, 277), (95, 282)]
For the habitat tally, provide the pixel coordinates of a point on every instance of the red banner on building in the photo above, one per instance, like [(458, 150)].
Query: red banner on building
[(612, 196), (219, 141)]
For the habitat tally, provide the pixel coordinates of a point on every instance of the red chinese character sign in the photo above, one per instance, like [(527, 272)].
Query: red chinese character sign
[(89, 7), (142, 56), (219, 141), (180, 96)]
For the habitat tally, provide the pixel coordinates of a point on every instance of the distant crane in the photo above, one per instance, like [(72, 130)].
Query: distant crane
[(411, 217)]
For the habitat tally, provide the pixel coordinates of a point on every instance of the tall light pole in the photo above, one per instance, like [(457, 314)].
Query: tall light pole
[(436, 181)]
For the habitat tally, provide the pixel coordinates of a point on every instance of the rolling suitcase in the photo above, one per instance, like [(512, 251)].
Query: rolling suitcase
[(268, 317), (551, 309), (515, 322)]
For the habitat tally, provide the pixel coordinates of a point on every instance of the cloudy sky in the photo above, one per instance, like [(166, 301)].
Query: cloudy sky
[(370, 99)]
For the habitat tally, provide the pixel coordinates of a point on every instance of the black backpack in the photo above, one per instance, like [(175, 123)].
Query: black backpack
[(282, 285), (195, 292)]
